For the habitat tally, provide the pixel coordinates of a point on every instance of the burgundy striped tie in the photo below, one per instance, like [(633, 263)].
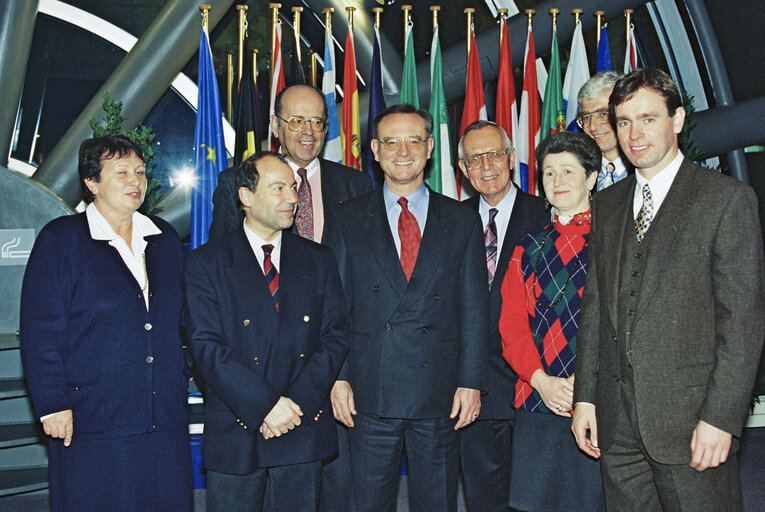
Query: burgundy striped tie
[(272, 276)]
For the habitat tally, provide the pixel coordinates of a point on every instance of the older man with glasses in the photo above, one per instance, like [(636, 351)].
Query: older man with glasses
[(300, 123), (595, 121), (487, 158)]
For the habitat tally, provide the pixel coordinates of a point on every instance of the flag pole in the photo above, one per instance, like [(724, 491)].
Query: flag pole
[(274, 21), (205, 10), (314, 67), (469, 11), (407, 20), (255, 66), (599, 16), (242, 30), (628, 13), (530, 13), (328, 24), (296, 29), (576, 13), (554, 13), (378, 12), (434, 9), (502, 20), (229, 84), (350, 10)]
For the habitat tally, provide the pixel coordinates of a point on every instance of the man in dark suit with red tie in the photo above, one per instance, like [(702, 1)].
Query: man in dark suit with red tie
[(414, 277), (487, 157), (268, 329), (671, 326)]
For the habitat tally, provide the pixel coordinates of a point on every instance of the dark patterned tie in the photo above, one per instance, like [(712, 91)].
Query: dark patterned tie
[(645, 215), (304, 217), (409, 234), (490, 239), (272, 276)]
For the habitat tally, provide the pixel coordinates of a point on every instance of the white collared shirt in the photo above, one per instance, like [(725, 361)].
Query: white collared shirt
[(659, 185), (502, 219), (100, 229), (257, 243)]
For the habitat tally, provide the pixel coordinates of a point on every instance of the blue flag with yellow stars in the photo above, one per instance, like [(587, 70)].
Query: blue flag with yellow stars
[(209, 147)]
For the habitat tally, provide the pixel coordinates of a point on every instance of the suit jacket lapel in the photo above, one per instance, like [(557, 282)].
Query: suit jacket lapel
[(663, 233), (250, 286), (374, 221)]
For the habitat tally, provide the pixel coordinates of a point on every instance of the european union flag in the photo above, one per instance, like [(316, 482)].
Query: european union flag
[(209, 147)]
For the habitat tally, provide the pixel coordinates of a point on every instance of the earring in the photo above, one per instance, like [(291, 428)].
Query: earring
[(589, 196), (547, 204)]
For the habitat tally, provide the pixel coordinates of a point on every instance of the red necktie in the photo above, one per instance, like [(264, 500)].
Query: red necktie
[(304, 217), (409, 234), (272, 276)]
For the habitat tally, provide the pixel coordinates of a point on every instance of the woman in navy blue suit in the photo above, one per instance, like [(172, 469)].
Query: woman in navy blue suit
[(100, 308)]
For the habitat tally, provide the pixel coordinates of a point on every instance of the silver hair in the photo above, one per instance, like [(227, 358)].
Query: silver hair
[(477, 125), (597, 85)]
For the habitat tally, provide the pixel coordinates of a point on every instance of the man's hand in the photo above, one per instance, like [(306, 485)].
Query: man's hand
[(709, 446), (584, 421), (60, 425), (283, 417), (467, 403), (557, 393), (343, 405)]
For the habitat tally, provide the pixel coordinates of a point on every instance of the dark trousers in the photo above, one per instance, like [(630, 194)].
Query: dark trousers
[(292, 488), (336, 477), (486, 447), (632, 481), (432, 451)]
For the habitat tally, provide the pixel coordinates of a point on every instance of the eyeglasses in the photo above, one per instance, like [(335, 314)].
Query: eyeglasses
[(585, 120), (393, 143), (494, 156), (295, 124)]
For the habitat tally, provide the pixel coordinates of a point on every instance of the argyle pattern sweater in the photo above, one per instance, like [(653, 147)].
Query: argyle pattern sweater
[(541, 296)]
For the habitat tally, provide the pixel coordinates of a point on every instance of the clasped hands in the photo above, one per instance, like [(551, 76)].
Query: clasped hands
[(282, 418)]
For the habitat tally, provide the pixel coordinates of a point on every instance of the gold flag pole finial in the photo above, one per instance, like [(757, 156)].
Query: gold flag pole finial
[(469, 11), (628, 13), (576, 13), (554, 13), (229, 84), (296, 26), (242, 31), (205, 10), (599, 15), (378, 12), (407, 20), (328, 11), (502, 20), (434, 9), (350, 9), (274, 23), (530, 13)]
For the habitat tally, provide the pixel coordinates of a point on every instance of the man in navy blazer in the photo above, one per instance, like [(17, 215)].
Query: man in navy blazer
[(267, 323), (486, 159), (418, 306)]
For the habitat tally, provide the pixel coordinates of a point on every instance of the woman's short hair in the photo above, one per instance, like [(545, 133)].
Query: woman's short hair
[(94, 151), (578, 144)]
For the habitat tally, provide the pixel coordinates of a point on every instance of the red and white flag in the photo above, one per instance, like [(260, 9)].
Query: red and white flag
[(474, 108), (507, 110), (529, 120)]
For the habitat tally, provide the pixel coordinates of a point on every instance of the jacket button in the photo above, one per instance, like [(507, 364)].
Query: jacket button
[(256, 360), (629, 352), (614, 339), (246, 322), (424, 364), (147, 326), (425, 330), (436, 297), (635, 273), (375, 288), (301, 356), (616, 378), (149, 359), (631, 312), (387, 326), (633, 293), (306, 318)]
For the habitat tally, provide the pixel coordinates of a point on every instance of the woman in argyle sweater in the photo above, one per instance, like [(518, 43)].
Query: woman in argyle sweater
[(540, 316)]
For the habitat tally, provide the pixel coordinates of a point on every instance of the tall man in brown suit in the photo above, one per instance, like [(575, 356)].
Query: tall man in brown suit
[(672, 317)]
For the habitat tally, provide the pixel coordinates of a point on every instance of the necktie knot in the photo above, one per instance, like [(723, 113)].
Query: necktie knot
[(404, 202), (268, 249), (302, 173)]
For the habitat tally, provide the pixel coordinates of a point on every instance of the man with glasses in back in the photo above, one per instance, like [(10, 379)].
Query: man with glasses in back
[(414, 275), (300, 123), (595, 121), (507, 214)]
